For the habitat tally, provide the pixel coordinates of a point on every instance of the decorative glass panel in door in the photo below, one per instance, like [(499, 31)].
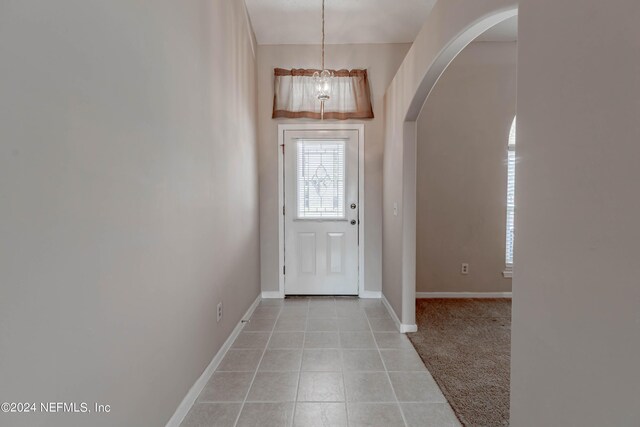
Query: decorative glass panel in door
[(320, 179)]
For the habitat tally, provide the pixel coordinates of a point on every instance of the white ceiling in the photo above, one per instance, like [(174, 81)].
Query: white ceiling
[(346, 21), (506, 31)]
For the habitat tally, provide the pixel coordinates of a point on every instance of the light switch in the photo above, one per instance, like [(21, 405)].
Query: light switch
[(395, 208)]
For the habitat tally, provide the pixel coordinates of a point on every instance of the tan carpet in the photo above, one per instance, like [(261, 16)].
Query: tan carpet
[(466, 344)]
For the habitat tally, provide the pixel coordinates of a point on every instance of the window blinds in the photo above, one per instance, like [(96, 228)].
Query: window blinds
[(511, 193)]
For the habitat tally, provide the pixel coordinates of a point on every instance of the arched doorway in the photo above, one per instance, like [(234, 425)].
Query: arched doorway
[(450, 27)]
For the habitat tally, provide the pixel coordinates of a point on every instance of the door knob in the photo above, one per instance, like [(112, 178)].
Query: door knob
[(353, 205), (353, 222)]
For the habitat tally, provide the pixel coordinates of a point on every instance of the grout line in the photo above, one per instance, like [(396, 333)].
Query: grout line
[(257, 367), (404, 420), (304, 337), (344, 386)]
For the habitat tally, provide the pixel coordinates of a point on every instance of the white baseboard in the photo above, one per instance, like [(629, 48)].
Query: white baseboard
[(408, 328), (392, 313), (272, 295), (463, 294), (197, 387), (370, 294), (402, 327)]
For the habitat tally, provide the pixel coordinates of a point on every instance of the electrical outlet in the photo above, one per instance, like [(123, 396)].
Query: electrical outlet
[(465, 268), (219, 311)]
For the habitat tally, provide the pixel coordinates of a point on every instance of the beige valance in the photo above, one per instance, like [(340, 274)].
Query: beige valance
[(295, 95)]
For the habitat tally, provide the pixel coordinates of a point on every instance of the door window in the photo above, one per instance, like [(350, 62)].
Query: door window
[(320, 179)]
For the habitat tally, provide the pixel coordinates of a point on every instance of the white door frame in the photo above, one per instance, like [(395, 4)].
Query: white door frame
[(321, 126)]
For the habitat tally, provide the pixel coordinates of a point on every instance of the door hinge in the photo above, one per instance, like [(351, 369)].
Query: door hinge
[(284, 270), (283, 210)]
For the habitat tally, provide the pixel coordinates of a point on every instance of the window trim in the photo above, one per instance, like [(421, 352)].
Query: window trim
[(508, 271)]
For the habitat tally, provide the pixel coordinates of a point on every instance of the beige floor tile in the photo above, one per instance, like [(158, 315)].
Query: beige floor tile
[(320, 415), (370, 302), (377, 311), (291, 324), (266, 312), (212, 415), (321, 340), (416, 387), (251, 340), (348, 304), (368, 387), (325, 359), (294, 311), (266, 415), (273, 387), (322, 325), (383, 324), (259, 325), (226, 387), (320, 387), (323, 312), (297, 300), (320, 301), (281, 360), (347, 324), (270, 302), (392, 340), (357, 340), (286, 340), (240, 360), (361, 360), (374, 415), (402, 360), (351, 313), (429, 415)]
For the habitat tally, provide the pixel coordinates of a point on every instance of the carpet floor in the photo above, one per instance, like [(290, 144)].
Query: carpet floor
[(466, 345)]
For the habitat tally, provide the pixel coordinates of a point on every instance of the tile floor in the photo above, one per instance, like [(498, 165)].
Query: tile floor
[(330, 362)]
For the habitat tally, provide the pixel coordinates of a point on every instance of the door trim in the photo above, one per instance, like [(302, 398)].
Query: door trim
[(359, 127)]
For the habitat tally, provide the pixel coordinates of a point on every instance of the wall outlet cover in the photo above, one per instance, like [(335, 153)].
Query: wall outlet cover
[(465, 268)]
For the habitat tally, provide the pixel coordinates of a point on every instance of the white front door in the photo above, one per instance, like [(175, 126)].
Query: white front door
[(321, 212)]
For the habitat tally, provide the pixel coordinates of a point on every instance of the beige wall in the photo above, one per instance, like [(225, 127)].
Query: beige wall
[(128, 201), (576, 307), (462, 174), (382, 61)]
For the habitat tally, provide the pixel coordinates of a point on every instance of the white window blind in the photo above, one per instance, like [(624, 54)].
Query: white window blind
[(511, 193), (320, 179)]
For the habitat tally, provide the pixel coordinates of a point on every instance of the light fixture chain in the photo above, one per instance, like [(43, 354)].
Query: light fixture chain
[(322, 77), (323, 34)]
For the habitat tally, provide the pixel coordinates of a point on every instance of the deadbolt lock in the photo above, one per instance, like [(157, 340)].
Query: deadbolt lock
[(353, 222), (353, 205)]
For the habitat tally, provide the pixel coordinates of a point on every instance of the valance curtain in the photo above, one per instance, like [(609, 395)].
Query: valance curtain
[(295, 95)]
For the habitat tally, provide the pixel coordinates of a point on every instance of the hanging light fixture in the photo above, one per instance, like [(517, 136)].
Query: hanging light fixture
[(322, 79)]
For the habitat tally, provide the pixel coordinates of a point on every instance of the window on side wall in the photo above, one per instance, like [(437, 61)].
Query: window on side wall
[(511, 204)]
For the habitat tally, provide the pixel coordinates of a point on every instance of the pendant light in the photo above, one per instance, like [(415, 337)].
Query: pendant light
[(322, 79)]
